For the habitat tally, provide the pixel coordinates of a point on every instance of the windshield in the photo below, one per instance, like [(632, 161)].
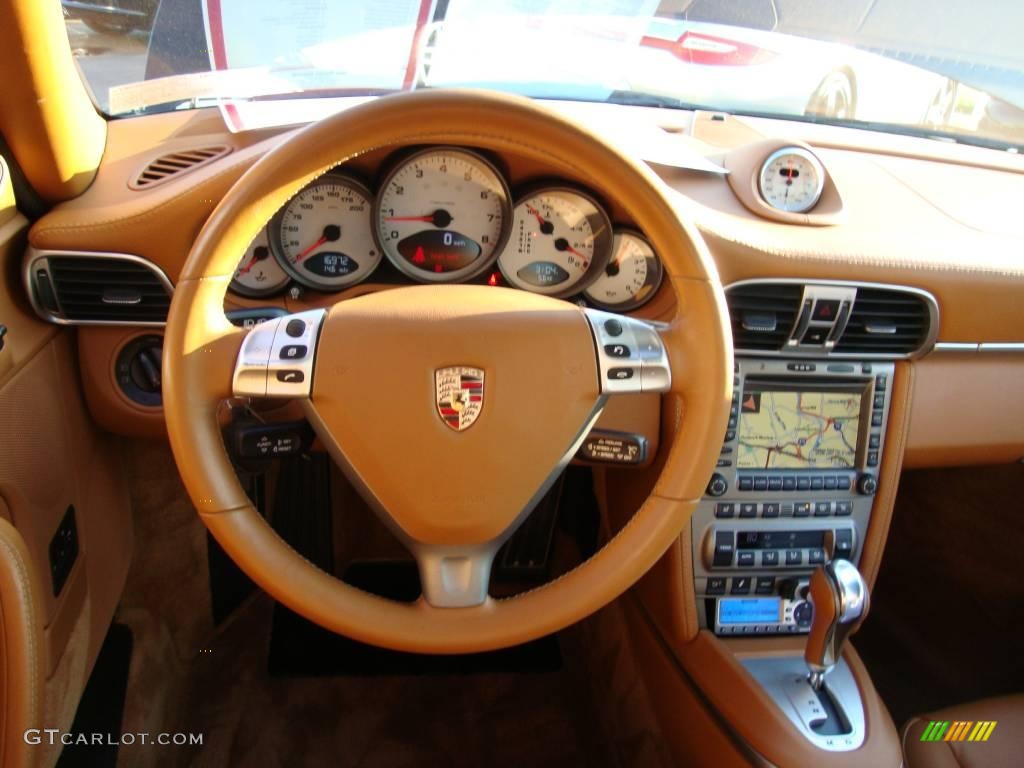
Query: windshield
[(893, 65)]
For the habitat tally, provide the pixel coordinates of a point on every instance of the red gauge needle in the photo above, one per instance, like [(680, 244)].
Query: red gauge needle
[(311, 248), (258, 255), (429, 218), (331, 233), (439, 218), (546, 227)]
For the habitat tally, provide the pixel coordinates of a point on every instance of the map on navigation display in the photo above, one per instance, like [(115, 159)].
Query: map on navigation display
[(798, 430)]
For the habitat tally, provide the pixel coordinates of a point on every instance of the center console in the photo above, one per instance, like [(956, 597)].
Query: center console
[(793, 489)]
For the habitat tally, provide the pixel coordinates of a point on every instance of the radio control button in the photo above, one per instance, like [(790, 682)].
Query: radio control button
[(746, 483), (823, 509), (745, 559), (726, 449), (875, 440), (816, 556), (881, 382), (817, 483), (724, 548), (872, 458), (740, 585), (760, 483), (843, 544), (730, 435), (718, 485), (844, 508), (770, 558), (771, 510), (831, 483), (723, 463), (716, 585), (876, 419), (748, 509), (725, 509), (803, 483), (879, 401), (789, 483), (802, 509), (774, 483), (844, 482), (794, 557)]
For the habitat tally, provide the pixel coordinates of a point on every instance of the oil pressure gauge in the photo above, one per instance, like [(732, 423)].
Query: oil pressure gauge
[(791, 180), (631, 277)]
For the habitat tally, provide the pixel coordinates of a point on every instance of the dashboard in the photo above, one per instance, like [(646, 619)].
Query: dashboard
[(444, 214)]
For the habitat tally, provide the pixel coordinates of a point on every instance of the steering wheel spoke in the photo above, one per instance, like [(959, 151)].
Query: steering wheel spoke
[(631, 355), (455, 576), (276, 358)]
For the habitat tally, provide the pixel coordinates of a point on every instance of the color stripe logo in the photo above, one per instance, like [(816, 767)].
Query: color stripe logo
[(958, 730)]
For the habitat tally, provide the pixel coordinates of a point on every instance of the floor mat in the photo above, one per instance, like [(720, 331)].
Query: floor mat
[(102, 703), (249, 718)]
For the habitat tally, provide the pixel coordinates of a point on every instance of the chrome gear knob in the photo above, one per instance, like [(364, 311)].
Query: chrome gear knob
[(839, 597)]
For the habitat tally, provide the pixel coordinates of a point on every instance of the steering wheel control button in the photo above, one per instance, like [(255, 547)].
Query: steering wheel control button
[(274, 361), (616, 350), (618, 338)]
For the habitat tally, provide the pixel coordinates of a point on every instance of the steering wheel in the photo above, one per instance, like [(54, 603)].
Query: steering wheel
[(370, 372)]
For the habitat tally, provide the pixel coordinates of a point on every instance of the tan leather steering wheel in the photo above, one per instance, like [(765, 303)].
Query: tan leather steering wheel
[(452, 497)]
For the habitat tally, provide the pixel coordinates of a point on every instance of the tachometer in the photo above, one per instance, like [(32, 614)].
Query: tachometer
[(323, 236), (631, 277), (258, 274), (442, 215), (791, 180), (561, 240)]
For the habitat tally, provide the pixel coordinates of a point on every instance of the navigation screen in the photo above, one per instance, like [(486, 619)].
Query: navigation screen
[(798, 430)]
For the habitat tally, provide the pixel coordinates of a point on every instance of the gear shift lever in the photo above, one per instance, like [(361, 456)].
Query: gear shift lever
[(840, 600)]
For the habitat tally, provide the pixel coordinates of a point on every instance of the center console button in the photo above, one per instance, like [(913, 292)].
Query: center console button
[(844, 508), (816, 556), (724, 548), (831, 483), (745, 559), (748, 509), (725, 509), (764, 585), (802, 509), (789, 483), (843, 547), (740, 585), (760, 483), (844, 482), (823, 509), (718, 485), (746, 483), (770, 510), (716, 585), (817, 483), (770, 557), (803, 483), (774, 483), (794, 557)]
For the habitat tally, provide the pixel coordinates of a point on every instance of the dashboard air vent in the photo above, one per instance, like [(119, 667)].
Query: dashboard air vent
[(167, 166), (886, 321), (98, 288), (763, 314)]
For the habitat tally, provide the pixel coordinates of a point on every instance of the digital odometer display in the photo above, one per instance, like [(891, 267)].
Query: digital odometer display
[(781, 429), (749, 610)]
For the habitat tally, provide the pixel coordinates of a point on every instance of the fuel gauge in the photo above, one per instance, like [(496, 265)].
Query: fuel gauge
[(258, 272), (631, 278)]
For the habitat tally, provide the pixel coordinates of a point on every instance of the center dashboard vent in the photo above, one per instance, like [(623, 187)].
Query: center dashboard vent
[(97, 288), (173, 164), (835, 318)]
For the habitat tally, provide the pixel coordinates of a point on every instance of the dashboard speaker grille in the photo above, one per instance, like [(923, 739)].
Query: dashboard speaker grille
[(167, 166), (108, 288), (763, 314), (886, 321)]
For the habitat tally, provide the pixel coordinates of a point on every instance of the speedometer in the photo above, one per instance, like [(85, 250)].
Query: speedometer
[(561, 241), (442, 215), (791, 180), (323, 237)]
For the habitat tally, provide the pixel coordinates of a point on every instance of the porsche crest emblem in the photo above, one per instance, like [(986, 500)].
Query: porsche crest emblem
[(459, 395)]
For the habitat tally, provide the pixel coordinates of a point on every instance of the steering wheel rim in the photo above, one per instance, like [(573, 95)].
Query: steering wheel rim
[(201, 348)]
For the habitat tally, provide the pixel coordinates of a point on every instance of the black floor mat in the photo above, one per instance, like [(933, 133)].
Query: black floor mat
[(102, 704), (299, 648)]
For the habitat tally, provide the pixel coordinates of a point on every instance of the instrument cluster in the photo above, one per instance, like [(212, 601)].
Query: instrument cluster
[(447, 215)]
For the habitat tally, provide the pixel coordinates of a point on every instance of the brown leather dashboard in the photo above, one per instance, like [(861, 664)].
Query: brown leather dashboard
[(913, 213)]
